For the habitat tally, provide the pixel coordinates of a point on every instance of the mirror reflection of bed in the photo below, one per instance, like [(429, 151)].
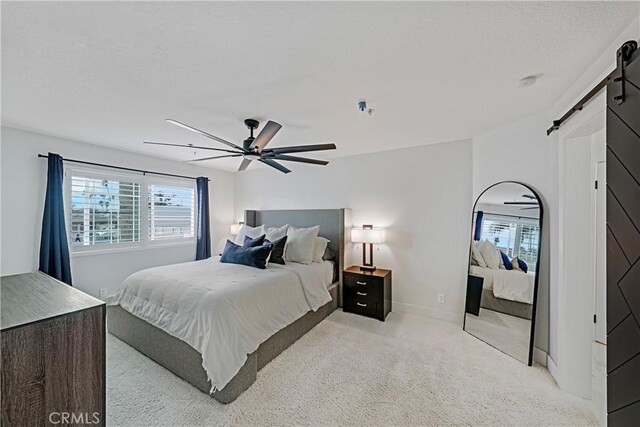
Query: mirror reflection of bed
[(503, 264)]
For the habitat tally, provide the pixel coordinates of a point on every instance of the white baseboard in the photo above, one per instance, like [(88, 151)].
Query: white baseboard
[(540, 356), (553, 368), (434, 313)]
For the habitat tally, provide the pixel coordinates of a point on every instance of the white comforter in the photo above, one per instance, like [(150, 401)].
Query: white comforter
[(224, 311), (513, 285)]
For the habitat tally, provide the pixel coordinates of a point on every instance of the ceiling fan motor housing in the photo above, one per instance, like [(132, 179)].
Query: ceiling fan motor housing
[(251, 124)]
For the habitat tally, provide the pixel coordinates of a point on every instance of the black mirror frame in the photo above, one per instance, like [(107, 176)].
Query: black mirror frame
[(535, 285)]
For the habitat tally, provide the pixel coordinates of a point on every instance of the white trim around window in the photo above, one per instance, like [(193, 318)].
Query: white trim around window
[(95, 210)]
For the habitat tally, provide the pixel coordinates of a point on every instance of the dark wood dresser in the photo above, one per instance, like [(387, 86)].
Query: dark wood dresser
[(367, 292), (53, 353)]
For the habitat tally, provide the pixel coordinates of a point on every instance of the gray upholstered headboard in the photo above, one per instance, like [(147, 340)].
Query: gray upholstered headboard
[(335, 225)]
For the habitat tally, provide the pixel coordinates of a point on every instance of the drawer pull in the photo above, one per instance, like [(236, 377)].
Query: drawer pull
[(361, 283), (361, 305), (364, 294)]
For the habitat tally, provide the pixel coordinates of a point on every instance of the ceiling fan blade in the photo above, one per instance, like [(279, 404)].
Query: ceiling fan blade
[(189, 146), (214, 157), (520, 203), (299, 159), (275, 165), (266, 134), (244, 165), (203, 133), (302, 148)]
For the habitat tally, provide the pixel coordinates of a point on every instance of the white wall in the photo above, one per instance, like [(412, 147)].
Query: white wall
[(23, 185), (421, 195)]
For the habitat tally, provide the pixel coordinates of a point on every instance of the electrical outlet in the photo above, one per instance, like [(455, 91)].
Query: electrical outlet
[(102, 293), (441, 298)]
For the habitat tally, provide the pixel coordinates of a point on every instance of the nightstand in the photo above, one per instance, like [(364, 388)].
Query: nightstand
[(474, 294), (367, 292)]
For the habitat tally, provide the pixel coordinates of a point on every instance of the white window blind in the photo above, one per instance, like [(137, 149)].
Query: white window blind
[(501, 232), (171, 212), (528, 242), (512, 235), (104, 211)]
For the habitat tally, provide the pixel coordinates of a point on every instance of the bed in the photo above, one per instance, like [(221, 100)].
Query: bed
[(506, 291), (215, 325)]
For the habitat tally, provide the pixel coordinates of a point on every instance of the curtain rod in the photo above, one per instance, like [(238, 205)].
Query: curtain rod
[(144, 172), (622, 55)]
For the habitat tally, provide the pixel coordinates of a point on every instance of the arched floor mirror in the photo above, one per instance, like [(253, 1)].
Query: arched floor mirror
[(502, 280)]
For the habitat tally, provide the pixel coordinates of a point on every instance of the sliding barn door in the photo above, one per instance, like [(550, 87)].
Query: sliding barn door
[(623, 241)]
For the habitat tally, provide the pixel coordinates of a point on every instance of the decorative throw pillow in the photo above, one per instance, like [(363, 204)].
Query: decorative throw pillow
[(300, 244), (477, 256), (250, 243), (319, 248), (328, 254), (245, 230), (490, 254), (275, 233), (522, 266), (251, 256), (506, 261), (514, 264), (277, 253)]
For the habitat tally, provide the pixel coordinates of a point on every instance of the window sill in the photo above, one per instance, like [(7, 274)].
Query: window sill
[(129, 249)]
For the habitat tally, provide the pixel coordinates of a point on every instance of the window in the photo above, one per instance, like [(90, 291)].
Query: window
[(104, 211), (108, 211), (513, 235), (171, 212), (501, 232)]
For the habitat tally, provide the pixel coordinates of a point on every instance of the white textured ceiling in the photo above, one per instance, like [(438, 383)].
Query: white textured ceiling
[(108, 73)]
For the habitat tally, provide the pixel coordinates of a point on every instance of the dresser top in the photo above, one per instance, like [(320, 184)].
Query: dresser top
[(378, 272), (31, 297)]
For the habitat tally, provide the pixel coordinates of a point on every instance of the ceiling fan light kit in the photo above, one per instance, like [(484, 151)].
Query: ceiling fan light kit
[(253, 148)]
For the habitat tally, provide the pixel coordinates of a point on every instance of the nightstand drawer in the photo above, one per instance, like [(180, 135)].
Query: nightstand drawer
[(365, 307), (362, 287)]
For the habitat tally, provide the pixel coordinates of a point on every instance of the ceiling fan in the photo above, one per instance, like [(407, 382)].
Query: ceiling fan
[(254, 148), (534, 205)]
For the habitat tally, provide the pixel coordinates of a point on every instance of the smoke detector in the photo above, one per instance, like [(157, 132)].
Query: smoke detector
[(528, 80)]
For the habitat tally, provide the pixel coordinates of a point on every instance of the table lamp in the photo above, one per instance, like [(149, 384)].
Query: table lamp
[(367, 235)]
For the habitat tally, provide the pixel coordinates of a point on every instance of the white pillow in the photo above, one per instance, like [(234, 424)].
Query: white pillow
[(320, 246), (501, 265), (301, 244), (490, 254), (275, 233), (477, 256), (252, 232)]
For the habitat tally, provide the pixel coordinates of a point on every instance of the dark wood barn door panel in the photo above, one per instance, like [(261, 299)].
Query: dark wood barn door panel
[(623, 246)]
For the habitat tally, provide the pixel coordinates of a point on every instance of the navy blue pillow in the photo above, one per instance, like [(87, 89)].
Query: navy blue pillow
[(277, 253), (252, 256), (523, 265), (506, 261), (250, 243)]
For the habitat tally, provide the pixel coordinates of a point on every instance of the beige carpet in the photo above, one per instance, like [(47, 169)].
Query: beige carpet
[(352, 370)]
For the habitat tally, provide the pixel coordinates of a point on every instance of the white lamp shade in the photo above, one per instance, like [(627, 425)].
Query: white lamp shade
[(235, 229), (367, 235)]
